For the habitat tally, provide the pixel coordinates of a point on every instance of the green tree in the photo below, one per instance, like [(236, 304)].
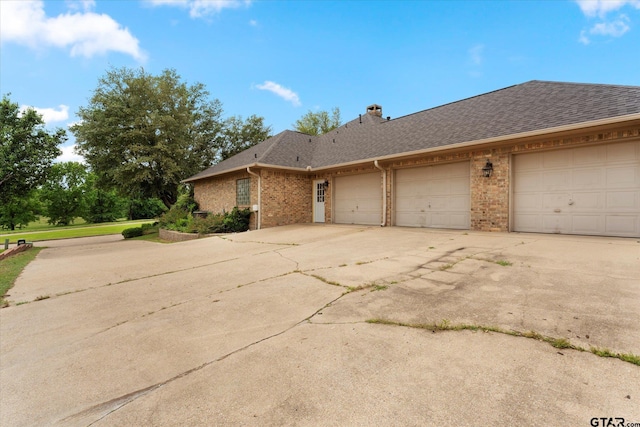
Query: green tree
[(238, 135), (27, 151), (101, 205), (318, 123), (19, 211), (143, 134), (64, 192)]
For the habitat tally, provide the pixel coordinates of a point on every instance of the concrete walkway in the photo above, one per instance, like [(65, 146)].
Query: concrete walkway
[(269, 328)]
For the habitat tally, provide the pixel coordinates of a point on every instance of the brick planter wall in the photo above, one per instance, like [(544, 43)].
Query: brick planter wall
[(176, 236), (15, 250)]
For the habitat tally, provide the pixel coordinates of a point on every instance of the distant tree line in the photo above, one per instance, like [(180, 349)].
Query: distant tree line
[(140, 135)]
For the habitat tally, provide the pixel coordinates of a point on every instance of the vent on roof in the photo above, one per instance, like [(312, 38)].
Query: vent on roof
[(375, 110)]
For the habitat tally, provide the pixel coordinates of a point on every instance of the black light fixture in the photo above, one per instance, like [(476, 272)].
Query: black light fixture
[(487, 170), (326, 184)]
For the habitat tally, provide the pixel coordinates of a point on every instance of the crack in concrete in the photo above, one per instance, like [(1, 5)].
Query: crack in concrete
[(113, 405)]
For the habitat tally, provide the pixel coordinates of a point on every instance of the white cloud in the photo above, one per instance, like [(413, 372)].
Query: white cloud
[(606, 27), (202, 8), (613, 28), (253, 23), (475, 54), (51, 115), (85, 33), (583, 38), (85, 5), (69, 155), (282, 92), (602, 7)]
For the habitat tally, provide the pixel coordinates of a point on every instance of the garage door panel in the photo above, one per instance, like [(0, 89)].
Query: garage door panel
[(623, 200), (433, 196), (556, 223), (528, 222), (459, 221), (556, 180), (623, 153), (620, 224), (587, 178), (555, 201), (358, 199), (588, 190), (528, 202), (556, 159), (530, 162), (589, 156), (594, 201), (459, 203), (622, 177), (586, 224)]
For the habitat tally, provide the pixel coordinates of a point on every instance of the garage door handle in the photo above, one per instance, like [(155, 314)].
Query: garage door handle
[(570, 202)]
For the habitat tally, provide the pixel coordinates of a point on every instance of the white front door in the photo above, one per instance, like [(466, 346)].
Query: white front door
[(318, 201)]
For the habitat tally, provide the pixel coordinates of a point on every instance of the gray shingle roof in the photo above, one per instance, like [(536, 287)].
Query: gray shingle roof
[(530, 106)]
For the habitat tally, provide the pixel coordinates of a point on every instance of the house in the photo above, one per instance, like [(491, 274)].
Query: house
[(543, 157)]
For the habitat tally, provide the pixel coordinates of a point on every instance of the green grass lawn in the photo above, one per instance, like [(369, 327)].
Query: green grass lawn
[(39, 232), (10, 269)]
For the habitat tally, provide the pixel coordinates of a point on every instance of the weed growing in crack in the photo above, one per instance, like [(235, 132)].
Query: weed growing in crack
[(561, 343), (504, 263), (328, 282), (626, 357), (446, 267), (41, 297), (379, 288)]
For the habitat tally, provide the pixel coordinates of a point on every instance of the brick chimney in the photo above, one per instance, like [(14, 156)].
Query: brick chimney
[(375, 110)]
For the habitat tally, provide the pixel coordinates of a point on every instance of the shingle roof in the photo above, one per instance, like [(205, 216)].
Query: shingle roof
[(287, 149), (530, 106)]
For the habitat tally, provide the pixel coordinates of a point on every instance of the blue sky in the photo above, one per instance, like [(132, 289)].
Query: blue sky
[(280, 59)]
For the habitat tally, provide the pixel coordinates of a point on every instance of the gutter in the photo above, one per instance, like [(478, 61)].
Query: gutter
[(384, 193), (259, 212), (459, 145), (495, 139)]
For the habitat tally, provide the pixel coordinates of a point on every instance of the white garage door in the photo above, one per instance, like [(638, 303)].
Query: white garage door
[(433, 196), (358, 199), (590, 190)]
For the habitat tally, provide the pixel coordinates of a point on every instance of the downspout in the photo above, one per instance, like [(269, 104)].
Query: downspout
[(384, 193), (259, 213)]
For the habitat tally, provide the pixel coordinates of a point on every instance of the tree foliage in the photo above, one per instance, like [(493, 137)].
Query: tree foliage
[(318, 123), (19, 211), (64, 192), (238, 135), (143, 134), (27, 150)]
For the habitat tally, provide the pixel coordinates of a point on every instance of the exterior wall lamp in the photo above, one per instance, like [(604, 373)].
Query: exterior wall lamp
[(487, 170), (326, 184)]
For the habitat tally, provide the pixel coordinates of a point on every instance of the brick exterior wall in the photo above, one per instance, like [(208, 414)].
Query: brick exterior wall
[(287, 197)]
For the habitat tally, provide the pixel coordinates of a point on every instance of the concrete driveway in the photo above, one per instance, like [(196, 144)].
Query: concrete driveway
[(270, 328)]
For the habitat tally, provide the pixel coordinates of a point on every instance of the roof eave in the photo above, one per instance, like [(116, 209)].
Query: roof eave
[(244, 167), (497, 139)]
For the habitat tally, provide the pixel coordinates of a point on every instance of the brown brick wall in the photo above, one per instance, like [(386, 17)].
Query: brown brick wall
[(287, 197), (218, 194)]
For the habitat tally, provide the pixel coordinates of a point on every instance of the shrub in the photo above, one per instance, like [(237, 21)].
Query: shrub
[(128, 233), (172, 217), (236, 221), (208, 224), (149, 228)]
